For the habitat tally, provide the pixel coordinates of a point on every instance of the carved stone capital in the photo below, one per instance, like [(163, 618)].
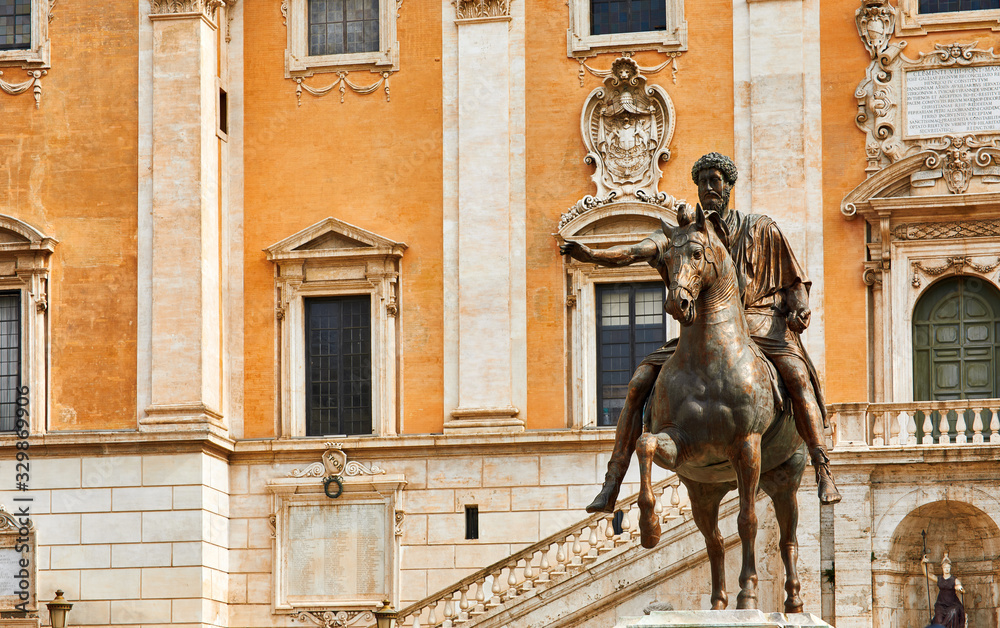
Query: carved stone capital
[(481, 9), (160, 9)]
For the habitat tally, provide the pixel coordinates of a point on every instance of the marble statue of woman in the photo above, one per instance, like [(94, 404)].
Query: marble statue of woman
[(948, 610)]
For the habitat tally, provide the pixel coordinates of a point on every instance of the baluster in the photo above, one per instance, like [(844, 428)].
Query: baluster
[(416, 621), (960, 427), (512, 580), (529, 573), (675, 500), (577, 551), (878, 432), (943, 429), (995, 425), (449, 612), (928, 438), (607, 543), (896, 430), (480, 605), (560, 569), (464, 603), (497, 590), (911, 428), (658, 504), (977, 426), (432, 619), (592, 540), (543, 567)]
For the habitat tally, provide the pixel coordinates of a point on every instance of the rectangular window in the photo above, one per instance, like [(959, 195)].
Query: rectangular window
[(343, 26), (610, 17), (472, 522), (630, 326), (339, 366), (949, 6), (15, 24), (10, 357)]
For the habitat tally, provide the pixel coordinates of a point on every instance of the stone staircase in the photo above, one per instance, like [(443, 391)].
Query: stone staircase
[(578, 573)]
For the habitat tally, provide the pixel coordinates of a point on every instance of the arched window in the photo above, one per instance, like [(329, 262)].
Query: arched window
[(955, 341)]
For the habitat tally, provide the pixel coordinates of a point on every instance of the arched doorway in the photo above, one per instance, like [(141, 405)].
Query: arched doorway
[(955, 341), (972, 540)]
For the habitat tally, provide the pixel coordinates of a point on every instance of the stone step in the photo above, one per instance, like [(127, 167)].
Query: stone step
[(720, 619)]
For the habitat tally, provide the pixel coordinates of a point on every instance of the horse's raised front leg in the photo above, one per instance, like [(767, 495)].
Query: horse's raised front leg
[(745, 457), (663, 448), (705, 500), (782, 484)]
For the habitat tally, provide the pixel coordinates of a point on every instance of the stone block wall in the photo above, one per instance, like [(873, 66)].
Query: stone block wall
[(131, 539)]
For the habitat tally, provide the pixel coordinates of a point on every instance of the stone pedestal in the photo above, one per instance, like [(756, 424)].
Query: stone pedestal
[(720, 619)]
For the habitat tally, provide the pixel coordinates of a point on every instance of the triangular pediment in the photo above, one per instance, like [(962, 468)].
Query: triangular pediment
[(334, 238)]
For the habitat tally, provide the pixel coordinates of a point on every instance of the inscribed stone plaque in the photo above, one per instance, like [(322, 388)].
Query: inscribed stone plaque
[(337, 551), (8, 575), (953, 100)]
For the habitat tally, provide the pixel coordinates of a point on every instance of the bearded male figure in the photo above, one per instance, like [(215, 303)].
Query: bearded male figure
[(775, 293)]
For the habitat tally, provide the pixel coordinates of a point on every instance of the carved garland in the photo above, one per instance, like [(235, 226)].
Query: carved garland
[(672, 58), (958, 262), (342, 84), (34, 84)]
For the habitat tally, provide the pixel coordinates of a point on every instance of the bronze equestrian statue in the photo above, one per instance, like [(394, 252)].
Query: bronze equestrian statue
[(714, 415), (775, 292)]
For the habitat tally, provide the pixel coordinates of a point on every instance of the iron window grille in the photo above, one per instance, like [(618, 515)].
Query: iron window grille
[(610, 17), (949, 6), (15, 24), (10, 357), (343, 26), (339, 366), (630, 325)]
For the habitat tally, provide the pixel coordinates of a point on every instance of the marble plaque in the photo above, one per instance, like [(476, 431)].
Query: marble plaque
[(9, 567), (337, 551), (953, 100)]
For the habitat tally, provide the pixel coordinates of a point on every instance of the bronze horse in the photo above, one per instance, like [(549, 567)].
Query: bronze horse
[(715, 415)]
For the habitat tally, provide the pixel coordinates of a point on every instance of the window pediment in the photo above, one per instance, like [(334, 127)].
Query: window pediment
[(334, 238)]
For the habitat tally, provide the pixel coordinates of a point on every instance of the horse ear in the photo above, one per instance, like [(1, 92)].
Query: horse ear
[(667, 229), (721, 228), (685, 215), (699, 218)]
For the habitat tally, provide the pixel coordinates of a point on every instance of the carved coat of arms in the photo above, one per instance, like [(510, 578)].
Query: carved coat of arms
[(627, 127)]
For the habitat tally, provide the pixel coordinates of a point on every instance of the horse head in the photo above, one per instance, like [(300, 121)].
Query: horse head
[(698, 246)]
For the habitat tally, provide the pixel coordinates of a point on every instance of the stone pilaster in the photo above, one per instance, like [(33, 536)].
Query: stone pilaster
[(488, 283), (186, 307)]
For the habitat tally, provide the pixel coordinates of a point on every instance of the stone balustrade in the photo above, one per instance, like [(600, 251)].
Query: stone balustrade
[(915, 423), (547, 562)]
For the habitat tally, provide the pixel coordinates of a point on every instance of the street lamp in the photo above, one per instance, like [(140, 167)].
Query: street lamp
[(385, 617), (58, 609)]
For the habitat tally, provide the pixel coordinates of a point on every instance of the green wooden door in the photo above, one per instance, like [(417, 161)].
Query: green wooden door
[(955, 347)]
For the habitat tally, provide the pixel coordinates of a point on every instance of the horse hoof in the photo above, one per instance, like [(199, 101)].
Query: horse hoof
[(719, 605), (793, 605), (746, 600), (649, 531), (605, 500)]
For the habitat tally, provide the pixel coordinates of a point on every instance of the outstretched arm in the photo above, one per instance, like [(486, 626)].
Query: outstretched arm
[(644, 251)]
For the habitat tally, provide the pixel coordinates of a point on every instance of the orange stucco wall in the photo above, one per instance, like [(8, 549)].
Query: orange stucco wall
[(70, 169), (557, 176), (372, 163)]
